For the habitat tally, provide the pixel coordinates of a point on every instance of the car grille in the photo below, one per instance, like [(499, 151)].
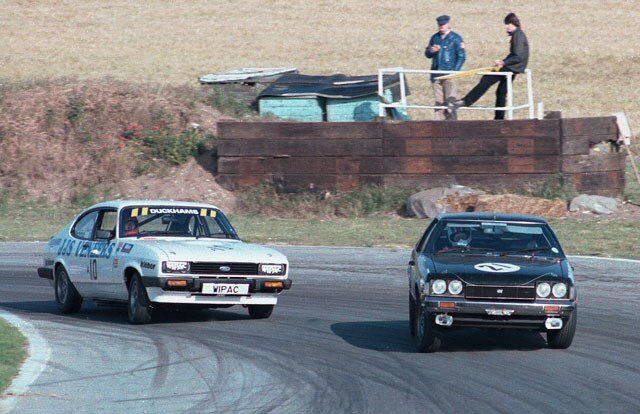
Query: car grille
[(216, 268), (500, 292)]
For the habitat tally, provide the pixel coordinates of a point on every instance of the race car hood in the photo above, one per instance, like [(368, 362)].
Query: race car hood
[(215, 250), (496, 270)]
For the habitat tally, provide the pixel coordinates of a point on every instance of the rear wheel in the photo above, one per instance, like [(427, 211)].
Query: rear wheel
[(260, 311), (562, 338), (139, 306), (67, 297), (426, 336)]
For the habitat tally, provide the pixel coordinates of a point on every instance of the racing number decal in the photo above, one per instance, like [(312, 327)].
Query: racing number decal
[(93, 269)]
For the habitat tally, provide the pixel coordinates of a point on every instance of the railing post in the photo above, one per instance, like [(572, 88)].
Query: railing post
[(381, 104), (403, 92), (509, 95), (530, 93)]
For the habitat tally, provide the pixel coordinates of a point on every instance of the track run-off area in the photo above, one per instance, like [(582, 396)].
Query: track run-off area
[(337, 342)]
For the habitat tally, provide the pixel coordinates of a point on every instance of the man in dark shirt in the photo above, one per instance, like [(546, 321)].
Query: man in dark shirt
[(515, 62), (446, 51)]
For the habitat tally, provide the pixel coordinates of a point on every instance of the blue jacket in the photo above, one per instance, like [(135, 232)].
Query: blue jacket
[(451, 55)]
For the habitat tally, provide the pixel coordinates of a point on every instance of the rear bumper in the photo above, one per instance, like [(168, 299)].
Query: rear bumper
[(487, 314)]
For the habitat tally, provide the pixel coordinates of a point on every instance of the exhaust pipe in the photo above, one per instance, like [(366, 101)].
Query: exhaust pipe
[(444, 320), (553, 323)]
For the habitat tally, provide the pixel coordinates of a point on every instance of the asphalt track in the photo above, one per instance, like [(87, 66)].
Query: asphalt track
[(338, 342)]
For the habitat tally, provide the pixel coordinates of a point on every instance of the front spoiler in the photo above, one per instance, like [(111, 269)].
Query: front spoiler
[(489, 314)]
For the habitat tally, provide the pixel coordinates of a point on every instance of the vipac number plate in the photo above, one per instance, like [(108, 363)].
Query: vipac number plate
[(225, 288)]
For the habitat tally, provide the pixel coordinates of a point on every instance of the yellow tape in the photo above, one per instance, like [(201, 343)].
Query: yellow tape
[(203, 212), (469, 73), (145, 211), (134, 212), (213, 213)]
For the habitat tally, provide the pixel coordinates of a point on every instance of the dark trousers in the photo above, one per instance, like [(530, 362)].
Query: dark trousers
[(485, 83)]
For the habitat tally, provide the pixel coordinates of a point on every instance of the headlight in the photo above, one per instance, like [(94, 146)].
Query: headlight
[(455, 287), (272, 269), (543, 289), (439, 286), (175, 267), (559, 290)]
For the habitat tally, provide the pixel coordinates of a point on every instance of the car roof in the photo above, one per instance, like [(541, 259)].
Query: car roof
[(127, 203), (492, 217)]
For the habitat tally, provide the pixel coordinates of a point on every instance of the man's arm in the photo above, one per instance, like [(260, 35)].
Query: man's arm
[(427, 51), (461, 54), (517, 52)]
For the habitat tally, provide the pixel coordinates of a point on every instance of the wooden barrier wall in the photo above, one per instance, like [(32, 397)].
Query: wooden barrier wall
[(493, 155)]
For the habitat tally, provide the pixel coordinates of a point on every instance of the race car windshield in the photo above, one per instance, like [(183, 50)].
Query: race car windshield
[(495, 238), (175, 221)]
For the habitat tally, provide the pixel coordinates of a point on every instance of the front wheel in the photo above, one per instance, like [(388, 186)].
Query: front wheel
[(412, 315), (562, 338), (67, 297), (260, 311), (139, 306), (426, 336)]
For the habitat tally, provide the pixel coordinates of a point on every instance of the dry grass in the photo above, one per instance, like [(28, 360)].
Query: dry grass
[(583, 52), (68, 140)]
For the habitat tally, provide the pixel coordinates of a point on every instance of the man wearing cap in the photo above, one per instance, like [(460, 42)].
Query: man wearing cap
[(446, 51)]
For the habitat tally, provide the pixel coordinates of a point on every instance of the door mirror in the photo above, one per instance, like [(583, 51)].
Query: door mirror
[(104, 234)]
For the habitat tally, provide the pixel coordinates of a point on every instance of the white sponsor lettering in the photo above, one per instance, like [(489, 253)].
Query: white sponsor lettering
[(496, 267), (173, 211)]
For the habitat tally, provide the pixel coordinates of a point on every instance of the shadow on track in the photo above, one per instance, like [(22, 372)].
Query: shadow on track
[(117, 314), (393, 336)]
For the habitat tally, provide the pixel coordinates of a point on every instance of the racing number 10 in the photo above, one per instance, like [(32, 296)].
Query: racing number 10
[(93, 269)]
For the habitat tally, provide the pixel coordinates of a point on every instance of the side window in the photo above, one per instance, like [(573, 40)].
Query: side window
[(83, 228), (107, 224), (422, 243)]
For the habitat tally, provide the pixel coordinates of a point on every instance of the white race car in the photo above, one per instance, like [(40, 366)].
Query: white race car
[(153, 253)]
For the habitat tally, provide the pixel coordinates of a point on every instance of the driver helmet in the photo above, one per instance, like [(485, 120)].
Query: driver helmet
[(459, 236)]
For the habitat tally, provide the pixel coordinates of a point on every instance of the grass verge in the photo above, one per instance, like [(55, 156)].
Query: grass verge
[(605, 237), (12, 353)]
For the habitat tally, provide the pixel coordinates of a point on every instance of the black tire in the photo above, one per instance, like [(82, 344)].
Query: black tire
[(563, 337), (260, 311), (426, 335), (412, 315), (139, 307), (67, 297)]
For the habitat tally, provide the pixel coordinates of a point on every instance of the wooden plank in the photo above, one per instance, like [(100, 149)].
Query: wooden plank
[(471, 165), (324, 165), (447, 129), (605, 125), (297, 147), (580, 144), (299, 130), (593, 162), (468, 146), (606, 183)]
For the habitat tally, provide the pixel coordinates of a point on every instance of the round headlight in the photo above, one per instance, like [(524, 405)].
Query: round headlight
[(559, 290), (543, 290), (439, 286), (455, 287)]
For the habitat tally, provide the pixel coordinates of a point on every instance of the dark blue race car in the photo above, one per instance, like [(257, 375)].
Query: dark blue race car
[(490, 271)]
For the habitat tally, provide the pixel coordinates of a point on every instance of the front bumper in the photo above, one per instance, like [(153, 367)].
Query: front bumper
[(494, 314), (259, 294)]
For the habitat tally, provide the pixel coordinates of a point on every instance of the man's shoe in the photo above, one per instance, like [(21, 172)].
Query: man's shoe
[(456, 102)]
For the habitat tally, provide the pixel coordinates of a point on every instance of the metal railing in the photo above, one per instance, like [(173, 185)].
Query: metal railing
[(403, 104)]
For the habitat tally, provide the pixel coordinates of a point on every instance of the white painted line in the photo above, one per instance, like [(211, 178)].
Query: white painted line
[(613, 259), (39, 354)]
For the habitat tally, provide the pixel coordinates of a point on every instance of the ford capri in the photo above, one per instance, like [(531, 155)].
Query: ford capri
[(154, 254), (490, 271)]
